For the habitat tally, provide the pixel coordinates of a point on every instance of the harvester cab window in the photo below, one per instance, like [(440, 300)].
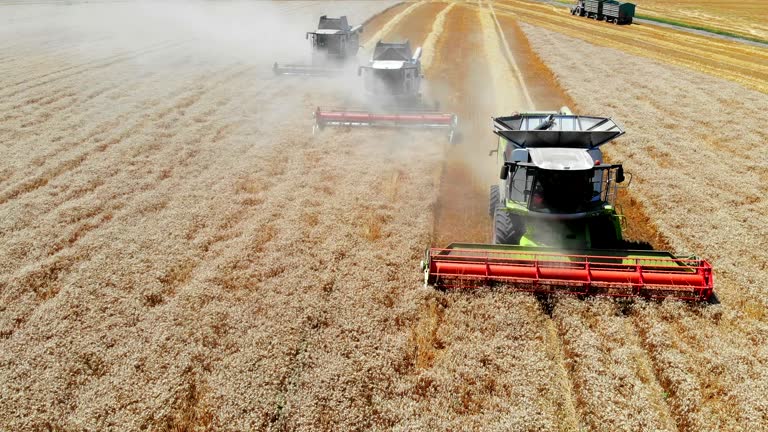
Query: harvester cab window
[(521, 183), (562, 191), (389, 80)]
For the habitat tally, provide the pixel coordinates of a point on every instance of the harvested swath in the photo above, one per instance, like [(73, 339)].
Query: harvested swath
[(411, 27), (430, 43), (485, 360), (462, 87), (373, 24), (478, 360), (614, 389), (387, 28)]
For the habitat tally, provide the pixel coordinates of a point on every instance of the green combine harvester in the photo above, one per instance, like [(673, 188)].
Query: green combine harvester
[(555, 227)]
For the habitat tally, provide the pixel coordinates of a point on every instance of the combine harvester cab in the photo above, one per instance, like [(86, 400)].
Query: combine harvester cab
[(555, 228), (392, 83), (333, 44)]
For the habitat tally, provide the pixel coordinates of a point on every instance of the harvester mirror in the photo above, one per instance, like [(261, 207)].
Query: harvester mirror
[(620, 175), (504, 172), (306, 35)]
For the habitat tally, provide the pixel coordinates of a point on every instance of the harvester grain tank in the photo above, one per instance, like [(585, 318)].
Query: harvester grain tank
[(608, 10), (555, 226), (334, 43), (392, 83)]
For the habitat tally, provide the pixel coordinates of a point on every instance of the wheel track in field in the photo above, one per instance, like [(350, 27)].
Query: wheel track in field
[(701, 388)]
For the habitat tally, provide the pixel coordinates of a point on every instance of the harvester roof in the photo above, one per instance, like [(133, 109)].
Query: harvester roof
[(333, 23), (556, 130), (573, 159), (393, 51), (388, 64)]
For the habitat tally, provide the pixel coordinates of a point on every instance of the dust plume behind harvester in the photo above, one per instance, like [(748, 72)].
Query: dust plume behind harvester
[(392, 85), (334, 44), (554, 223)]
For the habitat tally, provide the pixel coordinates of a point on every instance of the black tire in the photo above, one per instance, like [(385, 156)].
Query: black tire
[(495, 199), (507, 227)]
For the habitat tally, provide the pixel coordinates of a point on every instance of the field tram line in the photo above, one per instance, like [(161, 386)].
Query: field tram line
[(678, 414), (44, 178), (694, 345), (89, 66)]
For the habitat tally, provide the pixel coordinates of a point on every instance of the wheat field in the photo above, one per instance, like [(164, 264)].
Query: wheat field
[(178, 251), (740, 18)]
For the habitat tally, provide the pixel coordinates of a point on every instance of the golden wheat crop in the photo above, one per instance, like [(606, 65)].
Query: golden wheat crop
[(179, 252)]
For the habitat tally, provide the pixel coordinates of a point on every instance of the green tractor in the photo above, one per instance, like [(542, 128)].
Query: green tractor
[(554, 223)]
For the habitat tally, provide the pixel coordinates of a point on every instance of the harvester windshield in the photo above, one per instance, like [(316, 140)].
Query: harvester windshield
[(563, 192), (330, 43), (385, 81)]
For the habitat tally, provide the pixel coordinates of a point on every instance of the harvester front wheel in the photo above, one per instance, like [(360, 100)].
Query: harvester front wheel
[(507, 227), (494, 200)]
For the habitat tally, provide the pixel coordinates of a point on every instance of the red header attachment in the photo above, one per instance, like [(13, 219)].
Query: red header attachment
[(602, 275)]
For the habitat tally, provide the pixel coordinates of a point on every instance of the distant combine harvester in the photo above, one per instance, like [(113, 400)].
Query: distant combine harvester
[(609, 10)]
